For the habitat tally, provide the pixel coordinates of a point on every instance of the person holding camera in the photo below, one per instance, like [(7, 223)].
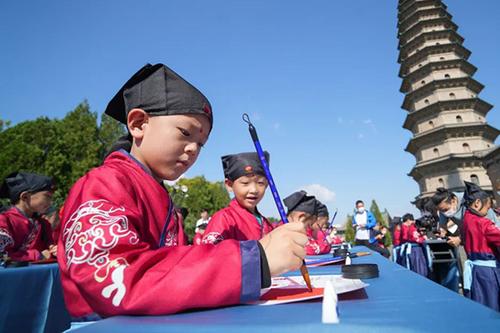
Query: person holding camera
[(451, 215)]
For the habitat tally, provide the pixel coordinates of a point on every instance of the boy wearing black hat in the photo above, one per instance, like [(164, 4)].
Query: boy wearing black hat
[(301, 208), (24, 234), (482, 245), (305, 209), (241, 220), (318, 241), (120, 250)]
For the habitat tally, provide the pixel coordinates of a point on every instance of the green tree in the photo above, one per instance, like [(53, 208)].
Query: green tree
[(109, 131), (197, 194), (64, 149), (26, 145), (349, 230), (381, 220), (4, 124), (75, 150)]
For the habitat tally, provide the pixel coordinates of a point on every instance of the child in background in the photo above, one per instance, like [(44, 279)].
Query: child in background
[(241, 220), (119, 251), (377, 240), (334, 238), (204, 219), (318, 241), (303, 208), (24, 234), (198, 236), (52, 216), (411, 246), (482, 245)]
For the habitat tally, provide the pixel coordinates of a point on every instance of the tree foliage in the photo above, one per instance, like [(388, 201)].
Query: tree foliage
[(349, 230), (199, 194), (64, 149), (381, 220)]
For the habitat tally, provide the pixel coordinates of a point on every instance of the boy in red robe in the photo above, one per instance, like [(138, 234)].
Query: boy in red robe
[(119, 249), (318, 241), (241, 220), (482, 245), (24, 234), (304, 208)]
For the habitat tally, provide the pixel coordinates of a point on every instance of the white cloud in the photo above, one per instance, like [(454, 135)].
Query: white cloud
[(255, 116), (322, 193), (276, 126), (340, 120), (370, 124), (361, 136)]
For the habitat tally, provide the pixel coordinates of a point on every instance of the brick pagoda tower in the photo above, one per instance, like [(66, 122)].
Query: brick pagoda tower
[(444, 112)]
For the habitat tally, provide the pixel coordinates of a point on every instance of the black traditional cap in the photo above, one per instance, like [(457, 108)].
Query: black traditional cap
[(407, 217), (473, 192), (18, 182), (322, 209), (158, 90), (301, 202), (238, 165)]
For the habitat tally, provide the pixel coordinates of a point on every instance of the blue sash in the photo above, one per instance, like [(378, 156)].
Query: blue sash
[(468, 270)]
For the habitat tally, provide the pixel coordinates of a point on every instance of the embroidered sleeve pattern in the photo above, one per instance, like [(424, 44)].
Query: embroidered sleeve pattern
[(91, 232), (6, 240), (212, 238)]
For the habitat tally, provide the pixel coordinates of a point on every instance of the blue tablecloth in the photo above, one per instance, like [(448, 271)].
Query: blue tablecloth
[(398, 301), (31, 300)]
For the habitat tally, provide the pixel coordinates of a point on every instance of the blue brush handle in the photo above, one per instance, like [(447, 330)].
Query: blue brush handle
[(333, 218), (262, 157)]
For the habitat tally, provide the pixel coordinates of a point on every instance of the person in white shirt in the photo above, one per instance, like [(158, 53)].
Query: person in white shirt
[(363, 221), (204, 218)]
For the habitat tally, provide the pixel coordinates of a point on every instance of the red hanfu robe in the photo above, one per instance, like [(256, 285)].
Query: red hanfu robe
[(24, 238), (482, 269), (410, 234), (197, 238), (317, 242), (396, 238), (235, 222), (119, 250), (482, 237)]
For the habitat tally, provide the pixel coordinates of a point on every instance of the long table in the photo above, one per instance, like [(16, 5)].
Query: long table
[(397, 301), (31, 300)]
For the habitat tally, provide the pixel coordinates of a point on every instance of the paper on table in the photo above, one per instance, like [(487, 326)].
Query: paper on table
[(293, 289)]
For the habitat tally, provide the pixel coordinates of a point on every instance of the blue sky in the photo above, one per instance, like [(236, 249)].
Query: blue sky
[(318, 78)]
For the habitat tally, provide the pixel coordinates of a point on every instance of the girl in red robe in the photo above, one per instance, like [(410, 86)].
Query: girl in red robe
[(482, 245), (241, 220), (24, 234), (411, 252), (121, 246)]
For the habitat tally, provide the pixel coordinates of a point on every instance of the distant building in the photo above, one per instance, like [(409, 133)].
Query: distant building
[(445, 114), (491, 162)]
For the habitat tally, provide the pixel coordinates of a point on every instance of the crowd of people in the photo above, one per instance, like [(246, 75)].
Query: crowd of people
[(120, 241), (455, 243)]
